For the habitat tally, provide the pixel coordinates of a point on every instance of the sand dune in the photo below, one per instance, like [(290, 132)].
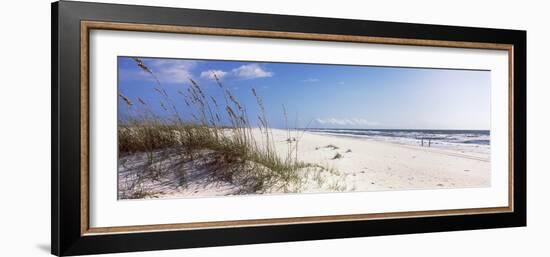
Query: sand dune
[(353, 164)]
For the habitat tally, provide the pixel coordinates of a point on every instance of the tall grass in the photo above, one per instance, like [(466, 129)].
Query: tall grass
[(219, 127)]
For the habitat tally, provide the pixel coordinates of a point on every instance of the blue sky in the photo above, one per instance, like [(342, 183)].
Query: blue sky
[(323, 96)]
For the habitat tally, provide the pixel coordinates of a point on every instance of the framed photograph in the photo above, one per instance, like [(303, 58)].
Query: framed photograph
[(177, 128)]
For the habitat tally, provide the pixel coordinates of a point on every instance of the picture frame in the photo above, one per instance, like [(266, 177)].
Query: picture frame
[(72, 23)]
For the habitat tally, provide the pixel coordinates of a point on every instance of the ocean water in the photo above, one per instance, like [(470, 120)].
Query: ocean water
[(463, 140)]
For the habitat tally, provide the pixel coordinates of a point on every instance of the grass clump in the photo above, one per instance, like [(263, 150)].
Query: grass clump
[(220, 127)]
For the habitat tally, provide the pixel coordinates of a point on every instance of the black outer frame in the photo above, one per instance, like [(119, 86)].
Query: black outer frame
[(65, 166)]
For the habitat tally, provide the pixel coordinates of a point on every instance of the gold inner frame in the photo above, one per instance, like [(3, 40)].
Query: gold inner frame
[(86, 26)]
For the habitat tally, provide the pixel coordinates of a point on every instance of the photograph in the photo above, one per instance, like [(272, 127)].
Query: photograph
[(176, 126), (211, 128)]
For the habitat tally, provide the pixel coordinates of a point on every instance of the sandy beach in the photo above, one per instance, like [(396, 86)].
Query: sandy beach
[(352, 164)]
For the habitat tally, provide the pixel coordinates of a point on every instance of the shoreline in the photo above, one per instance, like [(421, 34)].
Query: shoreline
[(481, 149), (460, 152)]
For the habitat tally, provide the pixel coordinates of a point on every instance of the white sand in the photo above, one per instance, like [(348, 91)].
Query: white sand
[(370, 165), (377, 165)]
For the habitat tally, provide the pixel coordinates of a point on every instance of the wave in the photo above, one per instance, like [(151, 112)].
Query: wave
[(461, 139)]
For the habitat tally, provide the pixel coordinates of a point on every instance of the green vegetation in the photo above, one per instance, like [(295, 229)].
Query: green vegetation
[(219, 132)]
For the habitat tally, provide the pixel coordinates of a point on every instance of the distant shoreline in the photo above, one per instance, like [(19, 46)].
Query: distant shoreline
[(459, 140)]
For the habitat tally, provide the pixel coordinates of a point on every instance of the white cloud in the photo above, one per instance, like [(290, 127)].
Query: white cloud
[(180, 71), (346, 122), (250, 71), (311, 80), (171, 71), (209, 74)]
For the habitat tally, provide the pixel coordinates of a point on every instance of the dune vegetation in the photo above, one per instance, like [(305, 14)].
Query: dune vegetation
[(217, 133)]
